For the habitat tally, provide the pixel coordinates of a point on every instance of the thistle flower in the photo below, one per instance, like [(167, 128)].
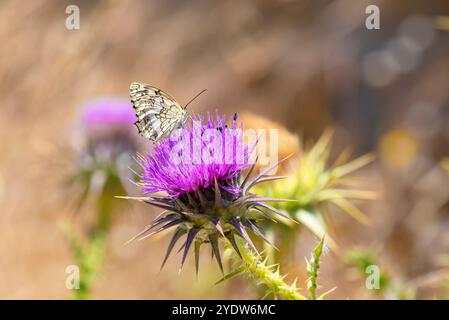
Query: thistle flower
[(109, 113), (196, 176), (107, 127), (100, 158), (315, 184), (101, 151)]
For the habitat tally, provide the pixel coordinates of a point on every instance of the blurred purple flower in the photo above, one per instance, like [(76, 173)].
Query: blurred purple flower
[(108, 111), (102, 146), (108, 129)]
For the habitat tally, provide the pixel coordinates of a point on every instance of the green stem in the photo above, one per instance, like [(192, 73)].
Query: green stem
[(90, 259), (313, 267), (268, 275)]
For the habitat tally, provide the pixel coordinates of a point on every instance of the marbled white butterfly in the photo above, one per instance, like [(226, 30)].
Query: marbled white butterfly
[(158, 114)]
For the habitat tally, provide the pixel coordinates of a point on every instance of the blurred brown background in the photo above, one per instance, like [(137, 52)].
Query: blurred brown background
[(309, 65)]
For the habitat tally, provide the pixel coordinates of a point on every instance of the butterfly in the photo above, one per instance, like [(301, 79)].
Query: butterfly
[(158, 114)]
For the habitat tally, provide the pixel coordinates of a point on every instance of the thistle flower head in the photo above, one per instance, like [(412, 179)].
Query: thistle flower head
[(196, 176), (315, 183), (100, 147), (196, 157), (108, 113), (107, 129)]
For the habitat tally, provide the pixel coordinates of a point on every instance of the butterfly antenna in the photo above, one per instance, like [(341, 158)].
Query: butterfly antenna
[(191, 100)]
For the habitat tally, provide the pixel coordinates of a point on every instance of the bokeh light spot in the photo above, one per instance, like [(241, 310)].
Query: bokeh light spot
[(398, 148)]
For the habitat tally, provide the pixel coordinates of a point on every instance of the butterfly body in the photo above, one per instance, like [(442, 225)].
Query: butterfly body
[(158, 114)]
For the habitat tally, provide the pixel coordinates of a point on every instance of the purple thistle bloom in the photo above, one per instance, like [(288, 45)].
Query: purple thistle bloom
[(108, 128), (101, 148), (189, 170), (199, 172)]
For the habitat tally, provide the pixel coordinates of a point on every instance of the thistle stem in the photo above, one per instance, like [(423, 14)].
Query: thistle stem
[(260, 272), (313, 267)]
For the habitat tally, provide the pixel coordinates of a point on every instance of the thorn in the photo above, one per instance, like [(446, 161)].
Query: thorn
[(218, 200), (218, 226), (231, 239), (190, 236)]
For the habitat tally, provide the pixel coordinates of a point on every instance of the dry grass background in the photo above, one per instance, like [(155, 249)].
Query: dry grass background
[(296, 62)]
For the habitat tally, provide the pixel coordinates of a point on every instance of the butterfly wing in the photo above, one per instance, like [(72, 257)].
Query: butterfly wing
[(158, 114)]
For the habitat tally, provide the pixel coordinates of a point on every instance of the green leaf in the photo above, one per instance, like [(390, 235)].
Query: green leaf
[(231, 275)]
